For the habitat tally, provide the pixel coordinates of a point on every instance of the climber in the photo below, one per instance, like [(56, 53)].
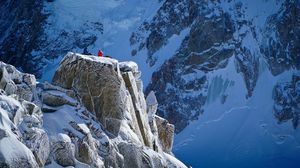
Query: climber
[(100, 53), (85, 51)]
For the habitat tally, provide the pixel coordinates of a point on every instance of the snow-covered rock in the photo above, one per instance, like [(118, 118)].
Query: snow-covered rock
[(98, 118), (64, 151), (23, 141)]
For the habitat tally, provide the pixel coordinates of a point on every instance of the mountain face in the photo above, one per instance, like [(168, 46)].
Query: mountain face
[(20, 27), (218, 31), (84, 119)]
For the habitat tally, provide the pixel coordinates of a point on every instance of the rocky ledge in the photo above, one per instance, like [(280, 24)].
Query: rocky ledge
[(93, 114)]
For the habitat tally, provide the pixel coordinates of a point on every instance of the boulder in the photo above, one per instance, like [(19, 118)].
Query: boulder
[(37, 141), (14, 154), (64, 151), (55, 98)]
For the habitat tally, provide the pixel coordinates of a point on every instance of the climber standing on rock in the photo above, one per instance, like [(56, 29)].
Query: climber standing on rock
[(100, 53)]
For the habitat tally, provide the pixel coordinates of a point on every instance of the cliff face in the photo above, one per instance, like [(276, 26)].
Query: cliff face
[(216, 32), (20, 27), (93, 115)]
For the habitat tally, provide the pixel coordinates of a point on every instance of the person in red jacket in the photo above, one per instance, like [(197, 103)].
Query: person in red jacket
[(100, 53)]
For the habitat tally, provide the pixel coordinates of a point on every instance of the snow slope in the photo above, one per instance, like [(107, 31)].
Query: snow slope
[(241, 132)]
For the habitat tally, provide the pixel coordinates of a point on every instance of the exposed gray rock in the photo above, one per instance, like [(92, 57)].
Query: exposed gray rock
[(88, 152), (139, 107), (165, 133), (13, 153)]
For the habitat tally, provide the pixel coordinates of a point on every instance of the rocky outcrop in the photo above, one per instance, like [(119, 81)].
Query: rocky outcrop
[(94, 119), (99, 86), (113, 93), (287, 97)]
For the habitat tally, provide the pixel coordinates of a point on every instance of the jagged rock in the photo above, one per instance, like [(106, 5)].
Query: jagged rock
[(114, 158), (130, 66), (6, 83), (151, 104), (24, 92), (64, 151), (102, 90), (165, 133)]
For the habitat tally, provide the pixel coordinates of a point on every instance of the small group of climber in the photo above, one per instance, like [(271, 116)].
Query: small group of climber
[(100, 53)]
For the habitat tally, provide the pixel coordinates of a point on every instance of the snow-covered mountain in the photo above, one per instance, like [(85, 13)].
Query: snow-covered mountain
[(225, 72), (93, 115)]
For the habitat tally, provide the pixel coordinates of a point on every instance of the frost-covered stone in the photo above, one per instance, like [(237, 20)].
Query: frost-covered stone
[(64, 151), (37, 141), (88, 152), (13, 153)]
